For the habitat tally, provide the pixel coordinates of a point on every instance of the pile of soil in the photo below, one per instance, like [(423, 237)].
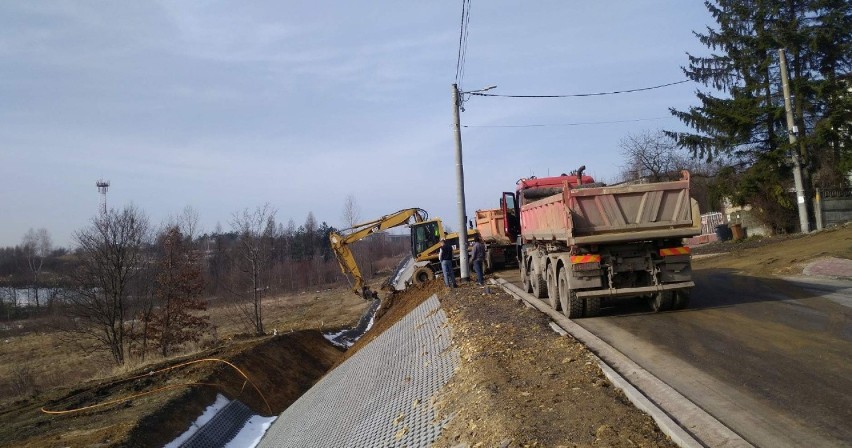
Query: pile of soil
[(767, 257), (522, 384), (281, 368)]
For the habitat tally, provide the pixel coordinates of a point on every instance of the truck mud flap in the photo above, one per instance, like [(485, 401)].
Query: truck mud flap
[(642, 290)]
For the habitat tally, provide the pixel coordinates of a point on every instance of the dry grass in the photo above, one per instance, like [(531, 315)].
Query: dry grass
[(39, 360), (784, 255)]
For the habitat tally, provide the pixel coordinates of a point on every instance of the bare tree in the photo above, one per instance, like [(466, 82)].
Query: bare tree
[(655, 157), (351, 211), (110, 259), (8, 301), (36, 247), (651, 156), (252, 260), (188, 223), (179, 285)]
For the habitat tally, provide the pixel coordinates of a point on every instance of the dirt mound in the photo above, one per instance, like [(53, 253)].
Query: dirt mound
[(166, 400), (522, 384), (768, 257)]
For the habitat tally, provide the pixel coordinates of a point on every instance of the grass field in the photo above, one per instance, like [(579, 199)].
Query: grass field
[(35, 358)]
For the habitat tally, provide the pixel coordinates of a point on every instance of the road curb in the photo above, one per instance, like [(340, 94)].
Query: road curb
[(692, 426)]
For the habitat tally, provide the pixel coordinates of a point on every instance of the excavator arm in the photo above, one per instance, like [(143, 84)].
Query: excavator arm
[(340, 241)]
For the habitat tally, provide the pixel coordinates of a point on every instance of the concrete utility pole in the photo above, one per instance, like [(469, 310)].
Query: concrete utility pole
[(791, 133), (463, 260), (457, 103)]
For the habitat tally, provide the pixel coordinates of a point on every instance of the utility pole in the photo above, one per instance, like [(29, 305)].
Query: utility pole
[(791, 133), (463, 260)]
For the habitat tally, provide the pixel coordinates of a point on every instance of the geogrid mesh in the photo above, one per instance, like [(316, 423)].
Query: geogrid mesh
[(221, 428), (381, 396)]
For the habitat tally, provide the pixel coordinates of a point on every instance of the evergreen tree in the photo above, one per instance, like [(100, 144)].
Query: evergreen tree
[(743, 113)]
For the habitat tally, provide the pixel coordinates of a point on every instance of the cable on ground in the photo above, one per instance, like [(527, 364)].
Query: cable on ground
[(161, 389)]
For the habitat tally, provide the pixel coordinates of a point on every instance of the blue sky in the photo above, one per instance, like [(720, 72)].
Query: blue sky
[(229, 105)]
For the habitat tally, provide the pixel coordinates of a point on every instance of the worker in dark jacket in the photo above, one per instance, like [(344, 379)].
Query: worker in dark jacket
[(478, 257), (445, 254)]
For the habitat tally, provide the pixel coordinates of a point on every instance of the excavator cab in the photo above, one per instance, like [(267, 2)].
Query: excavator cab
[(425, 235)]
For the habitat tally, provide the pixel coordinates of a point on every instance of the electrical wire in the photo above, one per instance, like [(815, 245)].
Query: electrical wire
[(463, 35), (615, 92), (464, 52), (565, 124)]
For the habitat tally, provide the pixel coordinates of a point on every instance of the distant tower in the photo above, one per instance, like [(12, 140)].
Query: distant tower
[(103, 186)]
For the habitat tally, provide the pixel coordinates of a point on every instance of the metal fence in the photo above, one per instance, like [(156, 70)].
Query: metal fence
[(829, 193), (834, 206), (709, 221)]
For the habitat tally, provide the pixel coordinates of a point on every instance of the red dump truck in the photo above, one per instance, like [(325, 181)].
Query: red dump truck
[(583, 245), (500, 237)]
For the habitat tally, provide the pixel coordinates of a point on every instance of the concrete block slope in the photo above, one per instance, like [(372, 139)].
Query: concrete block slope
[(382, 395)]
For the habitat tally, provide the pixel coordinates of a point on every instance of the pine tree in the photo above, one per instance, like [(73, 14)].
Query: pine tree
[(743, 113)]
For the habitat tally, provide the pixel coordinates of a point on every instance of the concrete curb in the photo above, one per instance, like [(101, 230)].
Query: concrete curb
[(692, 426)]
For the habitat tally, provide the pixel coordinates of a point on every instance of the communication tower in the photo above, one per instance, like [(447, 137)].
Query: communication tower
[(103, 186)]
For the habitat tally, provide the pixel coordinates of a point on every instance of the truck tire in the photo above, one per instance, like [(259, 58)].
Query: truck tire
[(422, 275), (572, 307), (552, 288), (539, 286), (592, 306), (525, 278), (661, 301), (681, 299)]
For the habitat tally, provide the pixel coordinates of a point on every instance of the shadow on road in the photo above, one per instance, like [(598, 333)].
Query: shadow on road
[(720, 288)]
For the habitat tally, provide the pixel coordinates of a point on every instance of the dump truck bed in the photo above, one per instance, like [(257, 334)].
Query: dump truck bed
[(620, 213), (489, 223)]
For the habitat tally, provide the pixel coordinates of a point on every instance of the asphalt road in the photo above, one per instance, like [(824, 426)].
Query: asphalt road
[(769, 358)]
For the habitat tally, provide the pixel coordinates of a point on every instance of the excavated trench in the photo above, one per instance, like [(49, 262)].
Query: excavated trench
[(232, 420)]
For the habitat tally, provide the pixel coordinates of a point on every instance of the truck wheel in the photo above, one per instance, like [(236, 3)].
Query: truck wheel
[(661, 301), (422, 275), (681, 299), (593, 306), (539, 287), (525, 278), (552, 289), (572, 307)]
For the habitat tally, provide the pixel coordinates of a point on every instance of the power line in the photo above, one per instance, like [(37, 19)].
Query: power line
[(463, 33), (615, 92), (565, 124)]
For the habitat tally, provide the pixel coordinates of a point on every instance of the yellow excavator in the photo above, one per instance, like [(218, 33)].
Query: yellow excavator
[(425, 242)]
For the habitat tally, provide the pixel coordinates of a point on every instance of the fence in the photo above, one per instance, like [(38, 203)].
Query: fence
[(834, 206), (709, 221)]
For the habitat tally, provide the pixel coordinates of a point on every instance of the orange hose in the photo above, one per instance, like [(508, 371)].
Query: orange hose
[(172, 386)]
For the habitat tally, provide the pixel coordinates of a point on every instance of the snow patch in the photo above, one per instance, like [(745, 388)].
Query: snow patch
[(205, 417), (252, 432), (346, 338)]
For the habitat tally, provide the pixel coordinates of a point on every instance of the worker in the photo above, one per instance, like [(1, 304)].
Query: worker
[(478, 257), (445, 254)]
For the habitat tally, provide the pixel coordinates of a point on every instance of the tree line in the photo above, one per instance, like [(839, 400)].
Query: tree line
[(133, 290)]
